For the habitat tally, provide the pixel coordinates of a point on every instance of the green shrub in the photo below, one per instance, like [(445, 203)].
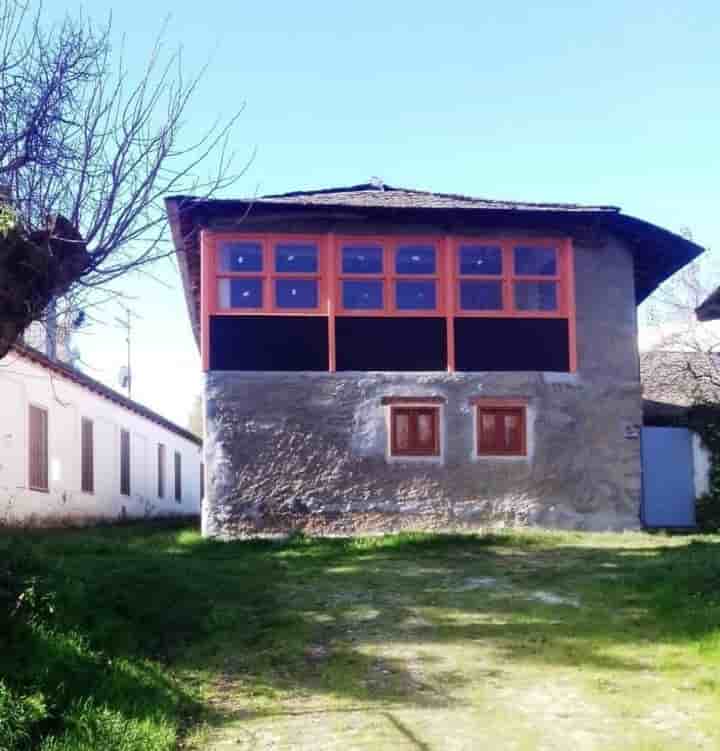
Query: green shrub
[(18, 718)]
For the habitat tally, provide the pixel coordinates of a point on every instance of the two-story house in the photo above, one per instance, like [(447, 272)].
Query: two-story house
[(379, 358)]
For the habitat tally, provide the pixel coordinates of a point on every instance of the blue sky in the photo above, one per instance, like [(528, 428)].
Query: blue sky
[(616, 103)]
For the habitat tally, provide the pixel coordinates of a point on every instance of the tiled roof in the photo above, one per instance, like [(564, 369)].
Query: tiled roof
[(378, 195), (81, 379)]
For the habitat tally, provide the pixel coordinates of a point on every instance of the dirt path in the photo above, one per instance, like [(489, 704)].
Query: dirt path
[(517, 652)]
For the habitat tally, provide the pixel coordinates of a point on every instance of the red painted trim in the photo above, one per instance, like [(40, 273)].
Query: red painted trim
[(413, 400), (331, 261), (572, 311), (500, 401), (450, 286)]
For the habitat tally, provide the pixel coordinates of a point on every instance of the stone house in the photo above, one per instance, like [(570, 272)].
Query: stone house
[(379, 358)]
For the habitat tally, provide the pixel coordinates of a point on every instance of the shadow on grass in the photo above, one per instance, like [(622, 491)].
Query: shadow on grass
[(131, 609)]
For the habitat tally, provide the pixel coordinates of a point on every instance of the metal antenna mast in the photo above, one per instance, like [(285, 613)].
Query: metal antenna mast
[(126, 323)]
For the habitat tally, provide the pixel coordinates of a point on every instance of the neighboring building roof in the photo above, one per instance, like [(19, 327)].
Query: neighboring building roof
[(81, 379), (658, 252), (680, 378), (709, 308)]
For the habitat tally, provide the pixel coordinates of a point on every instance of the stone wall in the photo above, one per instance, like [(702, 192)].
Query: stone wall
[(308, 451)]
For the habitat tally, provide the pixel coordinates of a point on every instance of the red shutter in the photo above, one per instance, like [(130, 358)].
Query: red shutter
[(161, 470), (124, 462), (87, 454), (38, 448), (178, 476)]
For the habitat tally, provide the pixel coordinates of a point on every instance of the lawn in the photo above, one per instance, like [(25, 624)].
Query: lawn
[(151, 638)]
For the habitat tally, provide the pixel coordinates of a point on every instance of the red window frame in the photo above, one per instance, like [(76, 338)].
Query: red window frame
[(447, 279), (389, 276), (500, 409), (413, 412), (268, 275)]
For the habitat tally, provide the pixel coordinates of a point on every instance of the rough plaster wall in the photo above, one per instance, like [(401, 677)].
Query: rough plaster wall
[(308, 451)]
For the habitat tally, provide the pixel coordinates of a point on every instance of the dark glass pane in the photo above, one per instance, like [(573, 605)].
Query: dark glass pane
[(362, 260), (296, 293), (296, 258), (536, 295), (535, 261), (480, 259), (415, 295), (415, 259), (481, 295), (365, 295), (240, 293), (240, 256)]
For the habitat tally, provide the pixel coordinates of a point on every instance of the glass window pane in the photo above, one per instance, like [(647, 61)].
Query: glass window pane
[(296, 293), (415, 295), (362, 295), (535, 261), (402, 431), (240, 256), (240, 293), (296, 258), (415, 259), (480, 259), (362, 259), (485, 295), (536, 295)]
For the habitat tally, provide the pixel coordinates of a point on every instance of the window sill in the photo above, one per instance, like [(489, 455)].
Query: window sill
[(417, 459)]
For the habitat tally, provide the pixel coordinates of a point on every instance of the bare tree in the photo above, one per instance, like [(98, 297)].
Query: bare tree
[(86, 156), (683, 364)]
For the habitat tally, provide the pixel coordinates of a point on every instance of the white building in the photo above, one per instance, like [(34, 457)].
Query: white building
[(73, 450)]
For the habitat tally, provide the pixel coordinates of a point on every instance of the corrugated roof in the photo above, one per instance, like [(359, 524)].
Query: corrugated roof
[(84, 380)]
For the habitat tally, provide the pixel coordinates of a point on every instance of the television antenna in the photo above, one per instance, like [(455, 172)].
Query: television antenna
[(125, 374)]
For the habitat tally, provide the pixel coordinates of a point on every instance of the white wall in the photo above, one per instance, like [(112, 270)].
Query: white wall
[(22, 383), (701, 466)]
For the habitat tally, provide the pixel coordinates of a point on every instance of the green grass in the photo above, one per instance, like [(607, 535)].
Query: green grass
[(151, 638)]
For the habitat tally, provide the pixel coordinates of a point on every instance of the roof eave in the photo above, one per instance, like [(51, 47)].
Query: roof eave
[(100, 389), (173, 208)]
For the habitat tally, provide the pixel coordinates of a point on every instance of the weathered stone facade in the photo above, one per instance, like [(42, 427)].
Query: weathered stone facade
[(304, 451)]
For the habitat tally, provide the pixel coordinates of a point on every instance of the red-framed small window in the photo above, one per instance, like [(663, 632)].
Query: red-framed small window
[(414, 430), (501, 429)]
